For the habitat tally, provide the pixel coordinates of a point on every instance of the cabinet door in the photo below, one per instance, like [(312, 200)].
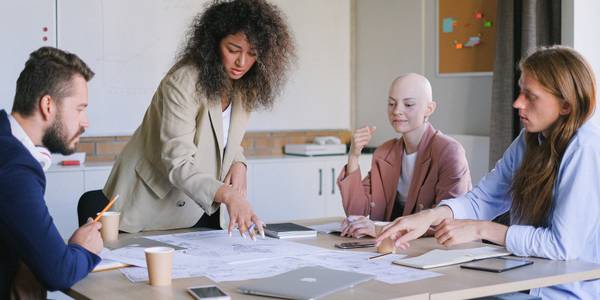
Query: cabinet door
[(292, 190), (26, 26), (63, 190), (95, 179), (333, 199), (333, 167)]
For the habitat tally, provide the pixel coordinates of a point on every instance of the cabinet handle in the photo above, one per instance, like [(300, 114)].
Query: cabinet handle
[(333, 181), (320, 182)]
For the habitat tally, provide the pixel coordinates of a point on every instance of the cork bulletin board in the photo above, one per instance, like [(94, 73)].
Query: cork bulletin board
[(466, 37)]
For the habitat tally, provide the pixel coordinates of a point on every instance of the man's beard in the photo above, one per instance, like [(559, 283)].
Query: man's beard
[(55, 138)]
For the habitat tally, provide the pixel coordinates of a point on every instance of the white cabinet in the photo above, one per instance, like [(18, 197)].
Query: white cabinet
[(294, 188), (26, 26), (280, 189), (63, 190), (95, 179), (284, 190), (333, 201), (64, 187)]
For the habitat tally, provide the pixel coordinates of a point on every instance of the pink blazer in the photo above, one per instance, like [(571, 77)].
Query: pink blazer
[(441, 172)]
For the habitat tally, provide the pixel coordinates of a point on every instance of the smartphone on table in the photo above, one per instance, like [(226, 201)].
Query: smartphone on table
[(211, 292), (497, 264), (353, 245)]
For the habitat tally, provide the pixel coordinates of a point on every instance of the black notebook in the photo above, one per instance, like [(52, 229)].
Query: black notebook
[(289, 230)]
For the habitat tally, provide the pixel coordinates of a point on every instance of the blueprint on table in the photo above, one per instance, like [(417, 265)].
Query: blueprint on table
[(222, 258)]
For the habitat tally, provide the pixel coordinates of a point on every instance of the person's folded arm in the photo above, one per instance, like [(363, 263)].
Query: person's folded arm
[(356, 193)]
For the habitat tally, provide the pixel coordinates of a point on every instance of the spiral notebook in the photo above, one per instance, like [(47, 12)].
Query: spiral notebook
[(441, 258)]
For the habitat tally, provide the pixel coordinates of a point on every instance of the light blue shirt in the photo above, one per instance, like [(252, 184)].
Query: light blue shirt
[(574, 221)]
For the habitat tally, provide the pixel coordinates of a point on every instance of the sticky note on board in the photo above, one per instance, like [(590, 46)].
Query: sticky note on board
[(488, 24), (473, 41), (447, 25), (458, 45)]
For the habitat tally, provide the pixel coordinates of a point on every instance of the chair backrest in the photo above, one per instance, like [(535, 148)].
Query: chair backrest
[(90, 203)]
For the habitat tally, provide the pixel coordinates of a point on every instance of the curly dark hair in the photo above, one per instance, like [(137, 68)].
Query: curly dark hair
[(266, 30)]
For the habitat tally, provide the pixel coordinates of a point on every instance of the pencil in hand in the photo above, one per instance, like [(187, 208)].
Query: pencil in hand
[(107, 207)]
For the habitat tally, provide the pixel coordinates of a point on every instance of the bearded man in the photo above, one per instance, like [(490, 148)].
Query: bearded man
[(48, 115)]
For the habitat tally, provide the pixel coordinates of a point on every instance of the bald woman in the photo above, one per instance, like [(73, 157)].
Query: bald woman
[(410, 173)]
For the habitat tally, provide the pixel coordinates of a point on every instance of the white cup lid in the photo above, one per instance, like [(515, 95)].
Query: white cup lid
[(159, 250), (110, 213)]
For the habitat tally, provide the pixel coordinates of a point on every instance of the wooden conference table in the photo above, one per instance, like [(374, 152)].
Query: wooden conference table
[(456, 283)]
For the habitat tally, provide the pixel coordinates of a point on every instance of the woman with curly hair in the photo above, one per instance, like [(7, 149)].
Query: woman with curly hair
[(185, 160)]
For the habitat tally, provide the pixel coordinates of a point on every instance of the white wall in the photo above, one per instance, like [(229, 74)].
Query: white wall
[(395, 37), (477, 149), (580, 25), (389, 42), (317, 95)]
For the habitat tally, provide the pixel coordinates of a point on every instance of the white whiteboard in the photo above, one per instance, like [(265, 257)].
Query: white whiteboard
[(25, 25), (131, 44)]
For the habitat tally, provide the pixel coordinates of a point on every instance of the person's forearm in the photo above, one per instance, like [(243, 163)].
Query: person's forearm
[(223, 194), (493, 232), (352, 164), (438, 214)]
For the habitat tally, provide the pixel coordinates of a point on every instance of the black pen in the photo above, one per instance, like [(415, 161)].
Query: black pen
[(380, 255)]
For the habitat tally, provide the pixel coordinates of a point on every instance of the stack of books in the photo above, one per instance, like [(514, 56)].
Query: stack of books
[(288, 230)]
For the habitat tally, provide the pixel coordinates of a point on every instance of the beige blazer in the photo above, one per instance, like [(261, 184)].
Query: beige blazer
[(441, 172), (168, 173)]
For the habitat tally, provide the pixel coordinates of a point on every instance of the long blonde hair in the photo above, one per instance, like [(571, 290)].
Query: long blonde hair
[(564, 73)]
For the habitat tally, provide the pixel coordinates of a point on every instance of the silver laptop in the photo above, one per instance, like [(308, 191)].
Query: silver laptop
[(305, 283)]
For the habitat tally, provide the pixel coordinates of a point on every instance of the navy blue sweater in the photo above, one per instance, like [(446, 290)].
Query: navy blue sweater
[(27, 232)]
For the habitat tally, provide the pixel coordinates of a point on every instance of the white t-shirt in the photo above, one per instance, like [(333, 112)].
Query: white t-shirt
[(408, 167), (226, 122)]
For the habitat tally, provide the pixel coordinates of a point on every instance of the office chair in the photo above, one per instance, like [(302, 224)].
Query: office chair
[(90, 203)]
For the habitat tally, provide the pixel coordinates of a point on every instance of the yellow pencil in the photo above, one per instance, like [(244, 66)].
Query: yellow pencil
[(107, 207)]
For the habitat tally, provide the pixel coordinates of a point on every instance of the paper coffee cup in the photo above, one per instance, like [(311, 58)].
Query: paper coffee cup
[(159, 261), (110, 226)]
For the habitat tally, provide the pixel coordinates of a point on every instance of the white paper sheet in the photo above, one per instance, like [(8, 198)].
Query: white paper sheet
[(381, 267), (222, 258), (106, 263)]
